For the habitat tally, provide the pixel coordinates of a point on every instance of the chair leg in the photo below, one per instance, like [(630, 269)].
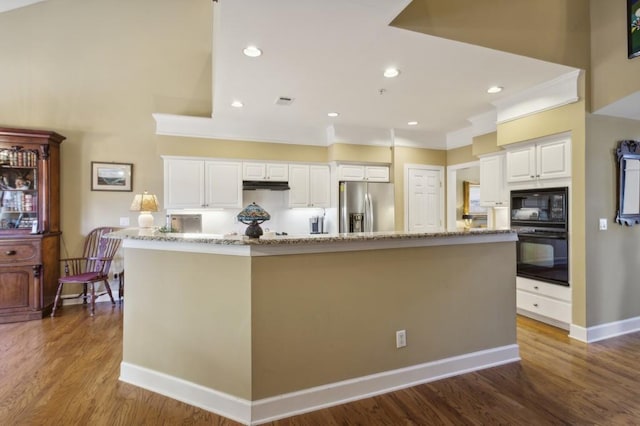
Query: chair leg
[(93, 299), (108, 287), (84, 291), (56, 300)]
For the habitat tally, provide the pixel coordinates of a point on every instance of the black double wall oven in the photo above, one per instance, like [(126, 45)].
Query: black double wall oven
[(541, 218)]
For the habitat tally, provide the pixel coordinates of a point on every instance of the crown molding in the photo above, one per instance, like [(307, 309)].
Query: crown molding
[(482, 124), (551, 94)]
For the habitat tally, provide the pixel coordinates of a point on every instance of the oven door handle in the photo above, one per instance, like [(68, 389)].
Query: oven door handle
[(562, 236)]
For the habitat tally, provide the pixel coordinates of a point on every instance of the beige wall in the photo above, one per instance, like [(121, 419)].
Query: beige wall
[(551, 30), (360, 153), (262, 326), (613, 287), (614, 76), (95, 71), (215, 148), (485, 144), (460, 155), (403, 156), (191, 321)]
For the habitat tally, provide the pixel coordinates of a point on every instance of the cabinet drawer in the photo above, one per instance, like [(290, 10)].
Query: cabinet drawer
[(544, 306), (12, 252), (559, 292)]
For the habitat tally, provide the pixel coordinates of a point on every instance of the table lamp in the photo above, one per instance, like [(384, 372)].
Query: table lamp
[(145, 203), (253, 215)]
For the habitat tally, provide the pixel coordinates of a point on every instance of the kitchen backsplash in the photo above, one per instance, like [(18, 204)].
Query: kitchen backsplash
[(283, 218)]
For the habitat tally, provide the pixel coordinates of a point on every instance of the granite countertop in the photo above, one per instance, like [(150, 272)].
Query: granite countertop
[(229, 239)]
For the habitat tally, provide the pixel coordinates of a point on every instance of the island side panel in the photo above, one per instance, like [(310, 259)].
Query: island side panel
[(188, 315), (323, 318)]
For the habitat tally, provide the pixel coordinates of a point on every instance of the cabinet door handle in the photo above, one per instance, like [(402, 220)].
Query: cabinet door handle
[(535, 287), (532, 176), (535, 304), (10, 252)]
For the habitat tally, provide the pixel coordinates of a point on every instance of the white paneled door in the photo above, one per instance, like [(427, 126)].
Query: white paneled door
[(424, 199)]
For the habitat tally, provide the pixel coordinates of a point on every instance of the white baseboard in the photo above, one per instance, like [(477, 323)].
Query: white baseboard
[(604, 331), (287, 405)]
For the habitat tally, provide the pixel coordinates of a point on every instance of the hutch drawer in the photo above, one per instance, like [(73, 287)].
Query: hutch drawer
[(13, 252)]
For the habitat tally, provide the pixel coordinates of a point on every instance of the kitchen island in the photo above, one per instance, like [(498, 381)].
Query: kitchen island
[(262, 329)]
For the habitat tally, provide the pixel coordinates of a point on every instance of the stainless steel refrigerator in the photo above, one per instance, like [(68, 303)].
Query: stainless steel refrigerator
[(366, 207)]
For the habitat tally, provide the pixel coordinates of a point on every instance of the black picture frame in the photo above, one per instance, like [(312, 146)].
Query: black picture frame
[(633, 28), (111, 176)]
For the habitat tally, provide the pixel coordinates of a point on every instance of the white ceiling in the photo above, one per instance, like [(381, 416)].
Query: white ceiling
[(330, 55), (6, 5)]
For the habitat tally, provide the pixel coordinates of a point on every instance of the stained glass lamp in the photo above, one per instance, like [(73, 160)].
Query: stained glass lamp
[(253, 215)]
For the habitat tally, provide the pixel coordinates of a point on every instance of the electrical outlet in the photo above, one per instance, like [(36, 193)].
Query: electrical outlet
[(603, 224), (401, 338), (124, 221)]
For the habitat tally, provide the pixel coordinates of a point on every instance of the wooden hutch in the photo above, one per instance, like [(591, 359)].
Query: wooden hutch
[(29, 222)]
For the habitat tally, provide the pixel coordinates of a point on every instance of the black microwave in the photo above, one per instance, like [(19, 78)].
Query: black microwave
[(540, 208)]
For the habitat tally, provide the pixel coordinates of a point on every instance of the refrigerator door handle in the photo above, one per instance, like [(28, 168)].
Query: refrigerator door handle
[(368, 213)]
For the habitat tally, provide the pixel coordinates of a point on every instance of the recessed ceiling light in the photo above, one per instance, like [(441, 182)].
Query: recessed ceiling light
[(333, 114), (391, 72), (494, 89), (237, 104), (412, 123), (252, 51)]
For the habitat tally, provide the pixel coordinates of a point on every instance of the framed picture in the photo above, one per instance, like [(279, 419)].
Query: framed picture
[(111, 176), (633, 28)]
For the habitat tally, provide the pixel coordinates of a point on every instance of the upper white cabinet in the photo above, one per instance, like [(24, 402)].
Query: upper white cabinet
[(265, 171), (193, 183), (310, 185), (223, 184), (493, 191), (354, 172), (542, 160)]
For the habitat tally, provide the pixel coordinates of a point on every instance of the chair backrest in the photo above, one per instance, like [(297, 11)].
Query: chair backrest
[(100, 251)]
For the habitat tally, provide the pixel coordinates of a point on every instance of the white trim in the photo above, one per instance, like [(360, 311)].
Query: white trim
[(459, 138), (221, 403), (452, 172), (604, 331), (230, 129), (551, 94), (439, 169), (287, 405), (482, 124)]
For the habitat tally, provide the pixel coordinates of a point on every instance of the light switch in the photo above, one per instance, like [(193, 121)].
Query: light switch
[(603, 224), (124, 221)]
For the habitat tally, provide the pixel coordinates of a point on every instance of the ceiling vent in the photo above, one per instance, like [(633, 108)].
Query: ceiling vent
[(284, 100)]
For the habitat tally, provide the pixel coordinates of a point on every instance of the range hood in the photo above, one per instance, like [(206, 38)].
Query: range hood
[(249, 185)]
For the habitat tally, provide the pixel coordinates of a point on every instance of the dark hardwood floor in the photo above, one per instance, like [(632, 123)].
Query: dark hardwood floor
[(64, 371)]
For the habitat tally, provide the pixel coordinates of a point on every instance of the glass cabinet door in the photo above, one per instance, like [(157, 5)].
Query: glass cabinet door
[(18, 189)]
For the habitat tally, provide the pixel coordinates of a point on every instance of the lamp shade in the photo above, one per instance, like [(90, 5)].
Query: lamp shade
[(253, 212), (145, 203), (253, 215)]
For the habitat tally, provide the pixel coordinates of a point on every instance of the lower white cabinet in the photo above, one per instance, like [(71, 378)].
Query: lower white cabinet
[(196, 184), (310, 185), (543, 301)]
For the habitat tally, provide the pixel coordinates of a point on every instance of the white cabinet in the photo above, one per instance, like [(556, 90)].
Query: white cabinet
[(493, 190), (310, 185), (543, 301), (223, 184), (543, 160), (265, 171), (355, 172), (193, 183)]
